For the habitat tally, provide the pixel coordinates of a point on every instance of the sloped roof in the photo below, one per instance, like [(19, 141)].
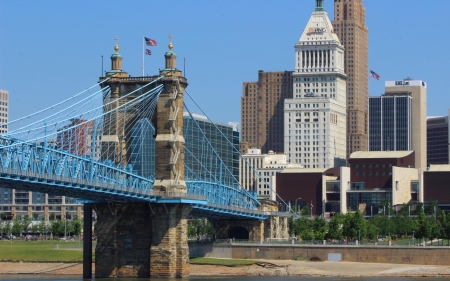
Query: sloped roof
[(319, 28)]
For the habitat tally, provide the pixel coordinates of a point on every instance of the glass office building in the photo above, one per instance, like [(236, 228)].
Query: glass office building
[(198, 149), (390, 125)]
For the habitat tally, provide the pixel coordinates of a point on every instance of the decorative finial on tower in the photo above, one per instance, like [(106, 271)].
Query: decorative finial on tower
[(116, 48), (170, 44), (319, 5)]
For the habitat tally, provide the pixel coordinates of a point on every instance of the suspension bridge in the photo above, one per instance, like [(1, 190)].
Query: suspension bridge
[(120, 147)]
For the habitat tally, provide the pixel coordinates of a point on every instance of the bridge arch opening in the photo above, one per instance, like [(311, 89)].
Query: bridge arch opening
[(238, 232)]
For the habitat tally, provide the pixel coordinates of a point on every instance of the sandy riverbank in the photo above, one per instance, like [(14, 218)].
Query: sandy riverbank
[(280, 268)]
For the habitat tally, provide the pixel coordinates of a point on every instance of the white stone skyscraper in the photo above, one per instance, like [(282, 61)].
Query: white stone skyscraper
[(315, 118)]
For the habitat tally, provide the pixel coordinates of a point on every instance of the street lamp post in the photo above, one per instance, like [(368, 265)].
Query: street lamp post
[(413, 239), (65, 224), (389, 220), (296, 206)]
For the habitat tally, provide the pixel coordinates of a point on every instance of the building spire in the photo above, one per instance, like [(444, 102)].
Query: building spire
[(170, 45), (116, 48), (319, 5)]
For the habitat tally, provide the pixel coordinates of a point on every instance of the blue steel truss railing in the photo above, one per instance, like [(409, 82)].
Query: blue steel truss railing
[(49, 161), (223, 194)]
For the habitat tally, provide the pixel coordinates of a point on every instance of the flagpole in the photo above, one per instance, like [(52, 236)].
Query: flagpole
[(143, 55)]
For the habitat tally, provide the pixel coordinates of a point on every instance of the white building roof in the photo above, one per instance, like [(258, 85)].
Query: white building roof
[(439, 168), (301, 170), (379, 154)]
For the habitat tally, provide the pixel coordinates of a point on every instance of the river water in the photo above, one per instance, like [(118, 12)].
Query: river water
[(8, 277)]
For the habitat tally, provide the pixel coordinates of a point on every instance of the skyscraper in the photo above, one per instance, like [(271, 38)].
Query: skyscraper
[(398, 119), (315, 118), (262, 110), (350, 26)]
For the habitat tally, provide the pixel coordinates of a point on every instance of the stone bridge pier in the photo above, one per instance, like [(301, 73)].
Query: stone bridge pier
[(141, 240), (275, 227)]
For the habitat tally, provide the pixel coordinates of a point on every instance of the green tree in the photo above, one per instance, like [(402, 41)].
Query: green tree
[(320, 228), (57, 227), (42, 227), (354, 225), (432, 209), (35, 216), (384, 224), (25, 224), (17, 227), (7, 227), (52, 216), (424, 226), (301, 225), (35, 228), (306, 234), (305, 211), (192, 231), (76, 227), (372, 230), (446, 226), (401, 223), (335, 227)]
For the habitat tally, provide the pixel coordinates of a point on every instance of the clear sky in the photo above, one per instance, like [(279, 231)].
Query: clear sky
[(51, 50)]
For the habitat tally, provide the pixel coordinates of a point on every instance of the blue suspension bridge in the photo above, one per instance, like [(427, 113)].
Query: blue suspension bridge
[(99, 146), (66, 151)]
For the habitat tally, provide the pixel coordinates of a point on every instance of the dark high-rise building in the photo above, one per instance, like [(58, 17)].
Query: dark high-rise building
[(262, 110), (390, 122), (350, 26), (437, 140)]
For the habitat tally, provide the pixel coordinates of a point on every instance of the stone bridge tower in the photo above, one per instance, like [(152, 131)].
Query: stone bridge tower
[(142, 239)]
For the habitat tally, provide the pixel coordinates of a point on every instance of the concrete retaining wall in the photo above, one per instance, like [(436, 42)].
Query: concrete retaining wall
[(379, 254), (210, 251)]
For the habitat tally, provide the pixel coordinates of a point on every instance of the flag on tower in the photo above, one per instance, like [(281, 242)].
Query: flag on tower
[(150, 42), (148, 52), (374, 75)]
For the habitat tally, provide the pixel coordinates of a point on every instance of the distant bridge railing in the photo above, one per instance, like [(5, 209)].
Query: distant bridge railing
[(223, 195)]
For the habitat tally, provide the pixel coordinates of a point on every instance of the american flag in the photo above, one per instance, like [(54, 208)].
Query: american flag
[(374, 75), (148, 52), (150, 42)]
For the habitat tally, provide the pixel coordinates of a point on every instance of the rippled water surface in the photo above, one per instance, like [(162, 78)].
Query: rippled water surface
[(251, 278)]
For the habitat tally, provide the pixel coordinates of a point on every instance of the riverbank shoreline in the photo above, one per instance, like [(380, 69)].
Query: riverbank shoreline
[(267, 268)]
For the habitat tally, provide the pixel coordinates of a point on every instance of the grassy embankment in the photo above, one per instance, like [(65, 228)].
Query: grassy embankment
[(70, 251), (41, 251)]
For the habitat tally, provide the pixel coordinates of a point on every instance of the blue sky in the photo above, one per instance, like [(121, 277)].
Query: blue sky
[(51, 50)]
